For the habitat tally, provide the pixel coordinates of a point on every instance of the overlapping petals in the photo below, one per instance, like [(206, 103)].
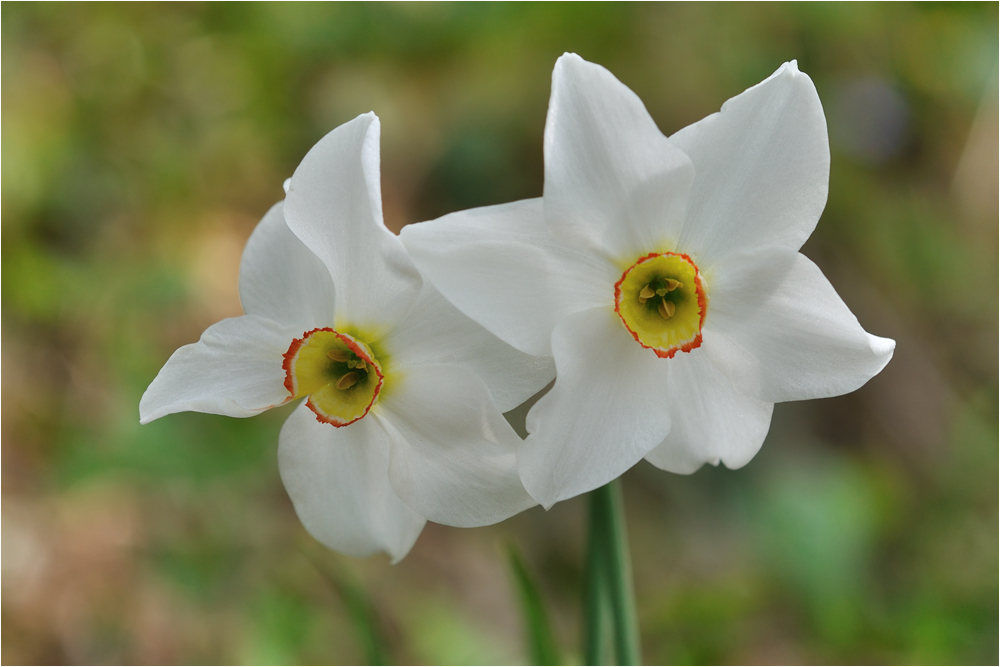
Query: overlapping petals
[(436, 332), (338, 481), (710, 421), (302, 298), (604, 413), (334, 204), (453, 456), (229, 371), (502, 267), (609, 172)]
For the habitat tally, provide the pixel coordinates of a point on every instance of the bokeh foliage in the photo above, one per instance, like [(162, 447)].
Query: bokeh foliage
[(141, 143)]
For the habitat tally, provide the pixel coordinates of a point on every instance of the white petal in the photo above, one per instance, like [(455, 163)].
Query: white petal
[(785, 335), (334, 205), (762, 167), (453, 454), (608, 409), (501, 267), (281, 279), (609, 172), (437, 333), (234, 370), (710, 420), (338, 481)]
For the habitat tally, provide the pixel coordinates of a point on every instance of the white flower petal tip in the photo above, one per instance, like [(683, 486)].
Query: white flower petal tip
[(611, 176), (231, 371), (791, 338), (334, 205), (882, 348), (762, 169)]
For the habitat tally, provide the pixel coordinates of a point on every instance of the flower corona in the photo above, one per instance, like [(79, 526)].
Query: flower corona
[(338, 373), (661, 301)]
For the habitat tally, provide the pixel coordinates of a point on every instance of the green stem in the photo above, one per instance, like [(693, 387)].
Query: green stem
[(620, 575), (597, 603), (609, 579)]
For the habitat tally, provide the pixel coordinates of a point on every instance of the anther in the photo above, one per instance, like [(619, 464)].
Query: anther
[(667, 309), (348, 381), (337, 354), (673, 284)]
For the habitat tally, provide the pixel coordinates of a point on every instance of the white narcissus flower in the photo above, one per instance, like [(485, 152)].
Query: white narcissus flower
[(400, 424), (663, 275)]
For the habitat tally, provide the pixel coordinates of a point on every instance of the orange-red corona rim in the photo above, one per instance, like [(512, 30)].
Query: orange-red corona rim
[(661, 301), (338, 373)]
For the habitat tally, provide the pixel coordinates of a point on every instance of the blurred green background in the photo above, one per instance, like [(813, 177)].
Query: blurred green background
[(141, 144)]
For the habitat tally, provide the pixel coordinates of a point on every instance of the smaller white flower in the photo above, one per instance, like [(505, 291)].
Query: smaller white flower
[(664, 276), (401, 421)]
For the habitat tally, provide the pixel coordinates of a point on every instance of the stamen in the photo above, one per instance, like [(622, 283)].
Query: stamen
[(673, 284), (646, 293), (361, 365), (348, 381), (336, 354), (667, 309)]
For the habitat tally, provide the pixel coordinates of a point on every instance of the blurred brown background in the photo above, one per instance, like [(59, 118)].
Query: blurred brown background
[(141, 143)]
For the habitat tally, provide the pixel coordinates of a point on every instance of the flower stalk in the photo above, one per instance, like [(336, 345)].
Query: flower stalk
[(609, 592)]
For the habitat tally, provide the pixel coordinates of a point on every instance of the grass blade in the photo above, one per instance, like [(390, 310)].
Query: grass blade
[(541, 642)]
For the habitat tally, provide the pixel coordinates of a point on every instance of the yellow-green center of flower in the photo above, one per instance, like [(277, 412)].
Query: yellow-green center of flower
[(338, 373), (661, 301)]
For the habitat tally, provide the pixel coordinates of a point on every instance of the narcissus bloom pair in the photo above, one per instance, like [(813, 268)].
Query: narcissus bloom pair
[(661, 274), (664, 276), (401, 421)]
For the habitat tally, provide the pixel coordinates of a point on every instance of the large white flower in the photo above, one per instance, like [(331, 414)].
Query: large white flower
[(400, 423), (663, 275)]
